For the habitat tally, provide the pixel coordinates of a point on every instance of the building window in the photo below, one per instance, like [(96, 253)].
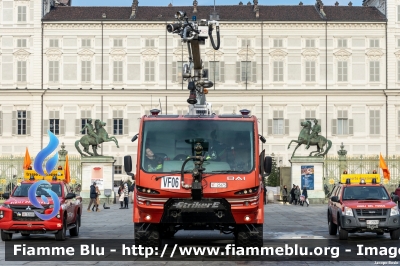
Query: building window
[(21, 71), (117, 169), (374, 43), (278, 43), (53, 43), (55, 126), (342, 70), (117, 71), (245, 42), (398, 71), (374, 117), (374, 71), (310, 115), (86, 43), (278, 123), (398, 122), (342, 123), (22, 14), (149, 71), (214, 72), (21, 122), (118, 126), (310, 71), (83, 123), (21, 43), (86, 71), (149, 43), (245, 71), (54, 71), (117, 42), (342, 43), (398, 13), (179, 71), (278, 71), (310, 43)]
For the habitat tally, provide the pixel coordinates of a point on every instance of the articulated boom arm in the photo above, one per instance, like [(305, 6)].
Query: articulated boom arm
[(194, 34)]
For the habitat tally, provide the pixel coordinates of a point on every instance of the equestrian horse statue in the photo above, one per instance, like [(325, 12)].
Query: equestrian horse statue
[(89, 140), (318, 141)]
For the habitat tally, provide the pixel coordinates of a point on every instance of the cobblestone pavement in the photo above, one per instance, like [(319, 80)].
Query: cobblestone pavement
[(281, 222)]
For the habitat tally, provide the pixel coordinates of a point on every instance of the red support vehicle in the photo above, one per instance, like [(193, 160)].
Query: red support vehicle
[(199, 171)]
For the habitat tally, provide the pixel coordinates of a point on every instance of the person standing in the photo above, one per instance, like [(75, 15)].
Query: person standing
[(297, 195), (284, 194), (98, 193), (93, 196), (126, 195), (397, 192), (304, 193), (292, 196), (121, 196)]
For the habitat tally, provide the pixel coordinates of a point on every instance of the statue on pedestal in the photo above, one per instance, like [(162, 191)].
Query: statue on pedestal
[(95, 136), (310, 137)]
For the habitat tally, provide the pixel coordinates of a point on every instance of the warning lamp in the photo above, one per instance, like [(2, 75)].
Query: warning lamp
[(31, 177), (244, 112), (362, 181), (154, 112), (59, 167), (205, 91), (348, 181), (54, 177), (345, 172), (373, 180)]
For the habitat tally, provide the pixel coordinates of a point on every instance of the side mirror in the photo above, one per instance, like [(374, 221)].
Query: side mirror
[(70, 196), (128, 165), (335, 199), (395, 198), (6, 195), (263, 140), (268, 165), (134, 138)]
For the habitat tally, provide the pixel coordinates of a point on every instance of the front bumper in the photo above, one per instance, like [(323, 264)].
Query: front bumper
[(359, 223)]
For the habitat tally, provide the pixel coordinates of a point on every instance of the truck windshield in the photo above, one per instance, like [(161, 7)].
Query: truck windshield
[(22, 190), (227, 145), (365, 193)]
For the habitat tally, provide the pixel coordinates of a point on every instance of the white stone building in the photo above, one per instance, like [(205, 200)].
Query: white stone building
[(60, 65)]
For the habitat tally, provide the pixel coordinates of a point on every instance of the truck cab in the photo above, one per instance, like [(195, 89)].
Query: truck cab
[(19, 215), (359, 203)]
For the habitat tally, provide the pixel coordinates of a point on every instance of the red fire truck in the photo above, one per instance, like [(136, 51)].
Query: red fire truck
[(199, 171)]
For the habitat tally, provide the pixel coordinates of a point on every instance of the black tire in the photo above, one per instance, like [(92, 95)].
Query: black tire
[(395, 234), (6, 236), (149, 238), (245, 238), (23, 234), (75, 231), (380, 233), (60, 235), (343, 234), (332, 227)]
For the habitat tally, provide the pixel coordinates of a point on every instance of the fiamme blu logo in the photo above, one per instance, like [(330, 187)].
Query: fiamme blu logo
[(38, 166)]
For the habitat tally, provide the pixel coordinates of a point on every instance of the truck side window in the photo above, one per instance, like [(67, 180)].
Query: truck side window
[(334, 191), (339, 192)]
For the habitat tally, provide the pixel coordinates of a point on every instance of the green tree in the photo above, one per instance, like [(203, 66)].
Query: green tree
[(273, 179)]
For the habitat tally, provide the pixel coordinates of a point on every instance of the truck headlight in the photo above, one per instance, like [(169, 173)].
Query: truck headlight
[(348, 211), (394, 211), (1, 214)]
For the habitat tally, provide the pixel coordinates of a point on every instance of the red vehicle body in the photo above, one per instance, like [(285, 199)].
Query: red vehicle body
[(17, 216), (160, 209), (357, 207)]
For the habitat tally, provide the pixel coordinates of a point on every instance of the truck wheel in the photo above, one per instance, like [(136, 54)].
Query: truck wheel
[(245, 238), (23, 234), (331, 226), (6, 236), (150, 238), (343, 234), (60, 235), (394, 235), (75, 231)]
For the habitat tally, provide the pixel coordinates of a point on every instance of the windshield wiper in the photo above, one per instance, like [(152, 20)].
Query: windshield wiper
[(229, 171), (372, 199)]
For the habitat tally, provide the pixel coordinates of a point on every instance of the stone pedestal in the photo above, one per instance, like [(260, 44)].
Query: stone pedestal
[(100, 170), (312, 169)]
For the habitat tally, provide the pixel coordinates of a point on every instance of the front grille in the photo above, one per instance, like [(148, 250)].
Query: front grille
[(371, 212), (16, 218), (19, 210)]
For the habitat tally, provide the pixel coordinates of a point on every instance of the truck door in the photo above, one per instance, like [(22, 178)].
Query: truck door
[(336, 205), (70, 206)]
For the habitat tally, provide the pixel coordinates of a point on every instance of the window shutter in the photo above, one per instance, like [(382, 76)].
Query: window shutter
[(45, 126), (78, 126), (110, 126), (126, 127), (62, 127), (237, 72), (222, 72), (14, 122), (173, 71), (286, 126), (28, 122), (269, 126), (334, 127), (254, 72), (1, 123), (351, 127)]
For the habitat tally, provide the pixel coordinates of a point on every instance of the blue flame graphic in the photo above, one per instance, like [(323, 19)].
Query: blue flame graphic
[(35, 202), (51, 163)]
